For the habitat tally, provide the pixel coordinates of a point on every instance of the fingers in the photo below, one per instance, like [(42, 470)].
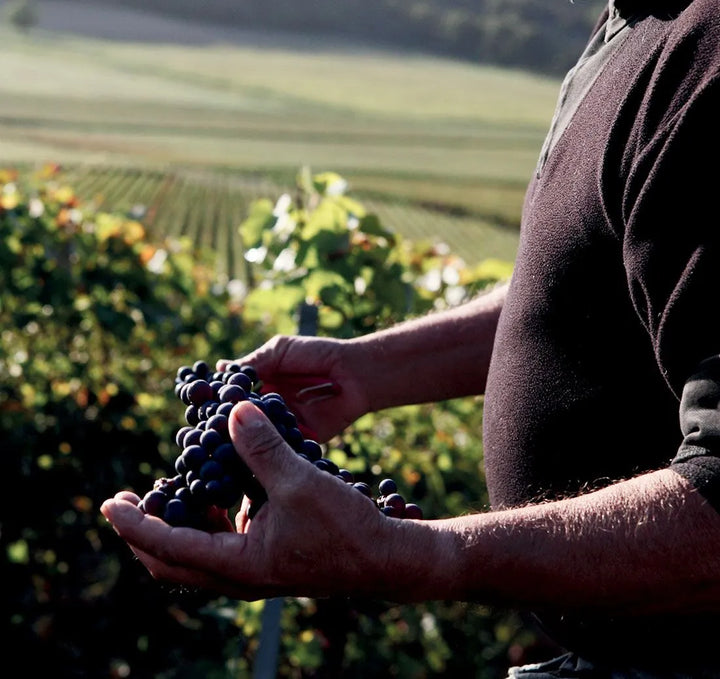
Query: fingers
[(264, 358), (174, 547), (128, 496), (257, 440)]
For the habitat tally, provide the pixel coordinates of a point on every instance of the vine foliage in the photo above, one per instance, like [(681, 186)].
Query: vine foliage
[(95, 318)]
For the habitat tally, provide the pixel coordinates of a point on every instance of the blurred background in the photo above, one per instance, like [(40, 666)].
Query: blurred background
[(144, 148)]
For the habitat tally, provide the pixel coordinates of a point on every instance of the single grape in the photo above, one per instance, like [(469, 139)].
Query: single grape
[(346, 475), (211, 470), (192, 438), (199, 392), (241, 380), (199, 493), (176, 513), (224, 409), (180, 465), (364, 488), (183, 372), (191, 415), (225, 454), (393, 512), (219, 423), (275, 408), (387, 486), (154, 503), (312, 449), (180, 435), (232, 393), (201, 369), (210, 439), (295, 438), (413, 511), (250, 372), (394, 500), (194, 457), (184, 495), (327, 465)]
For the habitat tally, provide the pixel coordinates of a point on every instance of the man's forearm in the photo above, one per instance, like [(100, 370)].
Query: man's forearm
[(439, 356), (646, 545)]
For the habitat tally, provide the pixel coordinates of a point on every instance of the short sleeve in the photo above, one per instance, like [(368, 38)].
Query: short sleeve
[(698, 457)]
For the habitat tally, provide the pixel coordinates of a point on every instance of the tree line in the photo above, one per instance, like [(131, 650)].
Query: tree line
[(537, 35)]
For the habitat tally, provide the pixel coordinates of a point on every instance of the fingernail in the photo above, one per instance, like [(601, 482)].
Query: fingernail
[(247, 413)]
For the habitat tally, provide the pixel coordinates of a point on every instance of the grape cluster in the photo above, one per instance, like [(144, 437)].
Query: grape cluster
[(209, 472)]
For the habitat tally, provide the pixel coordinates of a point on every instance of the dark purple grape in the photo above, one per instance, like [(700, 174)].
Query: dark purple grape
[(192, 438), (257, 402), (311, 449), (194, 456), (184, 371), (199, 392), (231, 393), (219, 423), (154, 503), (191, 416), (346, 475), (201, 369), (176, 513), (387, 486), (211, 439), (274, 408), (229, 493), (213, 491), (225, 454), (184, 396), (295, 438), (413, 511), (241, 380), (394, 500), (184, 495), (180, 465), (393, 512), (364, 488), (289, 420), (211, 470), (327, 465), (250, 372), (225, 409), (208, 409), (199, 492), (180, 435)]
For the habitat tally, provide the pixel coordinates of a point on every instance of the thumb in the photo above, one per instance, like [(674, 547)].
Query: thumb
[(269, 457)]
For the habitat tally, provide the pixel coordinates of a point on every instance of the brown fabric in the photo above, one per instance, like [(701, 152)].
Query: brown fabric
[(615, 290)]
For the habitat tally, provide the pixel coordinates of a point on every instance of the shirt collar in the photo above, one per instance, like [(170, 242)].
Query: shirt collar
[(620, 12)]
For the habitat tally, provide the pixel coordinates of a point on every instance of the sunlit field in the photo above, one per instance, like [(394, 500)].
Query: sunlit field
[(459, 138)]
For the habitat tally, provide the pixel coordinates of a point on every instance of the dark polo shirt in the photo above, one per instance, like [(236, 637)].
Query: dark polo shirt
[(606, 358)]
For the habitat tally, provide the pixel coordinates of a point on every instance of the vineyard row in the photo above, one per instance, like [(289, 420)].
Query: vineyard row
[(208, 208)]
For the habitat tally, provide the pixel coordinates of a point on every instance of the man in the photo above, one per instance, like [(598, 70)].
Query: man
[(600, 365)]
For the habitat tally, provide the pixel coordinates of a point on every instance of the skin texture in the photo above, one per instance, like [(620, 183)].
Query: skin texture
[(656, 536)]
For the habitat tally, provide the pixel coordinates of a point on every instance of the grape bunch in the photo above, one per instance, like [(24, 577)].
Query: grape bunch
[(208, 470)]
